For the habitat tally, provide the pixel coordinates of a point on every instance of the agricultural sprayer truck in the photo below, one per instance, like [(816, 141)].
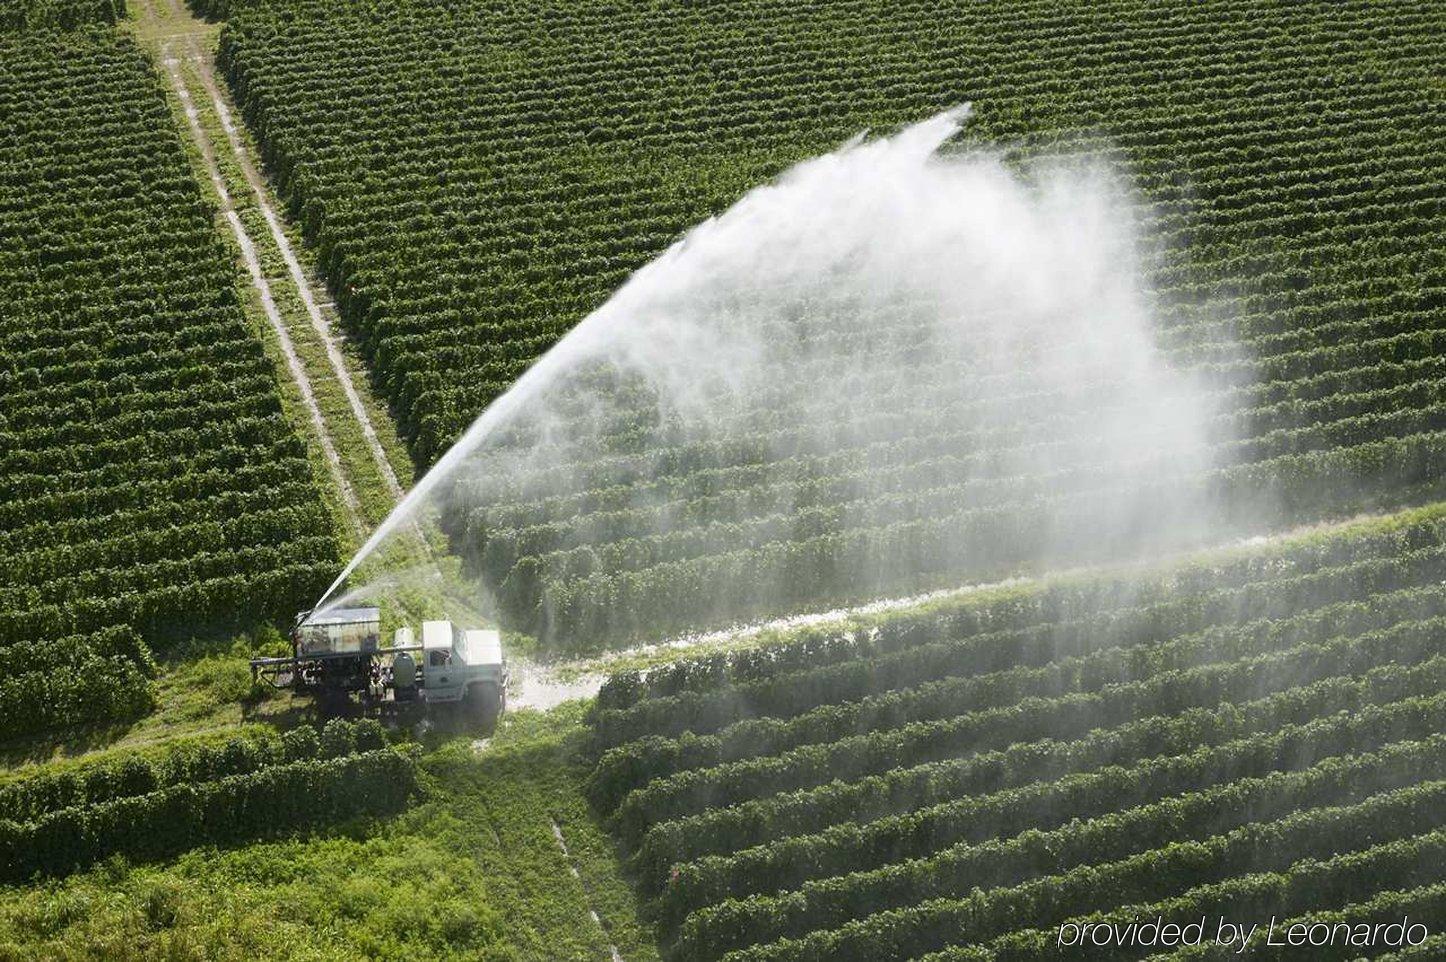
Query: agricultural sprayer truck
[(336, 656)]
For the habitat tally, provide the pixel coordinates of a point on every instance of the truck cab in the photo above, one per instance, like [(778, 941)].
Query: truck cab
[(465, 666)]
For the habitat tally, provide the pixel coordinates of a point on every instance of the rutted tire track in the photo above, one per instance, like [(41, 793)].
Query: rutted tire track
[(303, 285), (350, 502), (572, 867), (345, 430)]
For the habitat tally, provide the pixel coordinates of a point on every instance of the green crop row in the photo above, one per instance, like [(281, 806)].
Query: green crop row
[(910, 449), (831, 902), (1421, 905), (1029, 720), (775, 506), (1307, 887), (863, 563), (166, 611), (1072, 621), (890, 690), (152, 488), (100, 506), (30, 798), (728, 491), (1055, 601), (93, 678), (592, 135), (25, 15), (963, 776), (856, 844), (1149, 748), (1174, 868), (270, 800)]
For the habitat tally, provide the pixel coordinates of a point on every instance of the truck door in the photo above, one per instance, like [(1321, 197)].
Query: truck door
[(439, 660)]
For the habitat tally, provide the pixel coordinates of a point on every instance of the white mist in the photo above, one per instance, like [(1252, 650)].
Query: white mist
[(886, 339)]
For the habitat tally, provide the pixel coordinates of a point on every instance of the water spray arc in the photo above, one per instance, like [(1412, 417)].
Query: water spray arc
[(894, 365)]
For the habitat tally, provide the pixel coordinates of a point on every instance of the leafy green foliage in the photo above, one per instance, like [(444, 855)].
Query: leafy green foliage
[(125, 773), (962, 777), (471, 870), (242, 789), (151, 486), (74, 679), (1289, 162), (20, 15)]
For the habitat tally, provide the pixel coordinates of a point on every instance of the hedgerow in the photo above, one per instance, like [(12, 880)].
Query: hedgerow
[(859, 890), (125, 773), (239, 796), (151, 488), (1031, 719), (1050, 772), (887, 692), (1288, 179), (16, 15), (1169, 604), (1406, 863), (1177, 867), (959, 778)]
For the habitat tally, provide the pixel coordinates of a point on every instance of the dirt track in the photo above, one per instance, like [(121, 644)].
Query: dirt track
[(304, 286), (263, 288)]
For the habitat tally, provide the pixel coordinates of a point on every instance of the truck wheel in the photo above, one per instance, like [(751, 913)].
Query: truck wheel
[(332, 702), (484, 703)]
